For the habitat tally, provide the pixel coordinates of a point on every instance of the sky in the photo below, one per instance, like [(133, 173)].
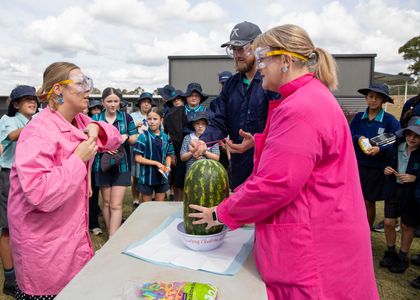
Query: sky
[(126, 43)]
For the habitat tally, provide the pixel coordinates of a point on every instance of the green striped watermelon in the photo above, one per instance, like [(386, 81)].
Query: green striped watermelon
[(206, 184)]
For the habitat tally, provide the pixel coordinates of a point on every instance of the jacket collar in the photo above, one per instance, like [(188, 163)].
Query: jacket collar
[(290, 87), (63, 125)]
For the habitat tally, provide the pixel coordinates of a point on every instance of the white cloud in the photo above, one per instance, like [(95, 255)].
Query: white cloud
[(68, 33)]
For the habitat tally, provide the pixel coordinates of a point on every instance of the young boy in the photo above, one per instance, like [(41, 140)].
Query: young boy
[(368, 124), (199, 123), (402, 169), (23, 105)]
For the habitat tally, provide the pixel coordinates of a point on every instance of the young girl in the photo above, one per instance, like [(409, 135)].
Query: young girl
[(199, 124), (195, 97), (370, 123), (402, 169), (153, 152), (48, 198), (114, 181), (140, 119)]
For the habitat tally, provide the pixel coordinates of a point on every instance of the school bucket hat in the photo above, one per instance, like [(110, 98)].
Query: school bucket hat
[(242, 34), (378, 88), (224, 76), (413, 125), (94, 103), (200, 115), (166, 91), (195, 87), (112, 161), (146, 95), (17, 93), (175, 94)]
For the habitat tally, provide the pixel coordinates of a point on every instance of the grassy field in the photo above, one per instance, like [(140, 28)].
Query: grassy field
[(391, 286)]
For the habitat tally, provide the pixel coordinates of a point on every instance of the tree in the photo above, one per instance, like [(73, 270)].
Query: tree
[(411, 51)]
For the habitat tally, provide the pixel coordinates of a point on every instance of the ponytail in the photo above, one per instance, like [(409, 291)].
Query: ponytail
[(325, 68)]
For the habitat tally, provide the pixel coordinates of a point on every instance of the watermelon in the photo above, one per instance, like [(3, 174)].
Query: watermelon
[(206, 184)]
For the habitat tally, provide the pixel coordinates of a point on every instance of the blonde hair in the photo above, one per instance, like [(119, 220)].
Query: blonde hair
[(53, 74), (295, 39)]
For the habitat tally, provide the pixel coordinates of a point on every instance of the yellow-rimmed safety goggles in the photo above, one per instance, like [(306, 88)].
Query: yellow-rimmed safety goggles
[(262, 53), (81, 82)]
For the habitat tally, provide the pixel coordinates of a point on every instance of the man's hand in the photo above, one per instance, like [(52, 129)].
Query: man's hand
[(247, 143)]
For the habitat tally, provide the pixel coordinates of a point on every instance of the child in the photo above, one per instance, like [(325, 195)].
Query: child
[(368, 124), (144, 104), (195, 97), (199, 124), (402, 168), (153, 152), (23, 105)]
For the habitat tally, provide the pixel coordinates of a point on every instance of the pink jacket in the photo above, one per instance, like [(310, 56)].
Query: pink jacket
[(48, 202), (312, 238)]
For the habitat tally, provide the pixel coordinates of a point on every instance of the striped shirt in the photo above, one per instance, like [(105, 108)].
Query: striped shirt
[(184, 149), (125, 125), (154, 147)]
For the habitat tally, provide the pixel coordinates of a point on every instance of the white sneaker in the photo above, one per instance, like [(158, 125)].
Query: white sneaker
[(97, 231)]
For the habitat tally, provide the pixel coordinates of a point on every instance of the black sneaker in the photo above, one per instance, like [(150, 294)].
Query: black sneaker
[(10, 289), (415, 260), (399, 265), (416, 283), (389, 258), (379, 227)]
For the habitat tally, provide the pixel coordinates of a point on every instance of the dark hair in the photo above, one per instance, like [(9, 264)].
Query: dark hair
[(111, 91), (409, 112), (156, 110)]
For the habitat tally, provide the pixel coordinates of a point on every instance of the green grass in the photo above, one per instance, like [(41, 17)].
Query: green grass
[(391, 286)]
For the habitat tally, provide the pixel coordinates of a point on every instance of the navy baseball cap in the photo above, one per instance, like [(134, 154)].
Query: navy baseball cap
[(242, 34), (223, 76)]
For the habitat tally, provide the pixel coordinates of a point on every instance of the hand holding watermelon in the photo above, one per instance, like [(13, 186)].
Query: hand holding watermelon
[(205, 215)]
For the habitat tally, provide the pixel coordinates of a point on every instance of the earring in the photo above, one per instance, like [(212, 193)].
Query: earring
[(60, 99), (284, 69)]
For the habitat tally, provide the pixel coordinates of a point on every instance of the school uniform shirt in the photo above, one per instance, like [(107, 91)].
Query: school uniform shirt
[(312, 238), (48, 201), (361, 126), (398, 159), (125, 125), (185, 144), (154, 147), (9, 147), (240, 106)]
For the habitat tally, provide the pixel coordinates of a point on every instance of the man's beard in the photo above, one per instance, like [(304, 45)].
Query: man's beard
[(245, 66)]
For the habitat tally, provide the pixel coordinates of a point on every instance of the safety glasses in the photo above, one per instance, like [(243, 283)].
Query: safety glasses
[(234, 51), (263, 54), (81, 82)]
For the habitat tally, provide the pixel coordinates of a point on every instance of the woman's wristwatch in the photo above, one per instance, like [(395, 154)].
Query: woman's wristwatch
[(214, 215)]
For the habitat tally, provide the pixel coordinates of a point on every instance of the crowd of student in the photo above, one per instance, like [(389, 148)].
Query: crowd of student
[(152, 148)]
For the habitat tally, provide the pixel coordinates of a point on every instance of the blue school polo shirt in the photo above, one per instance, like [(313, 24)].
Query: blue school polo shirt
[(361, 125), (154, 147), (125, 125)]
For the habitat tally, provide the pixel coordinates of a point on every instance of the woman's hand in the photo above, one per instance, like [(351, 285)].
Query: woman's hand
[(86, 149), (92, 130), (247, 143), (205, 215)]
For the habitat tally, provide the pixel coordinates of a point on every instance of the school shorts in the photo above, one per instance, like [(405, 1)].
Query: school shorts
[(112, 178), (404, 207), (4, 195), (372, 180), (147, 189)]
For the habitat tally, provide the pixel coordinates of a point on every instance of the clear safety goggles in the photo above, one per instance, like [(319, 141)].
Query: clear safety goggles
[(263, 54), (81, 82), (234, 51)]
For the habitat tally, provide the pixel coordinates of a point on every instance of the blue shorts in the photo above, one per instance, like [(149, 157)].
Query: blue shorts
[(147, 189), (112, 178)]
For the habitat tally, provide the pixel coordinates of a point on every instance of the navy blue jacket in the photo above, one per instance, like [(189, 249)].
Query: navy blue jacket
[(412, 102), (413, 168), (360, 125), (239, 108)]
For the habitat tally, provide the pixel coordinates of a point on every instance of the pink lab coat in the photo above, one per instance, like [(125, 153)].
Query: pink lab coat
[(48, 202), (312, 238)]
